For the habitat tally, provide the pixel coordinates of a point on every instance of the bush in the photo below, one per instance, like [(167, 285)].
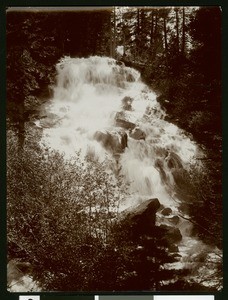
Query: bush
[(63, 220), (207, 190), (200, 121), (59, 214)]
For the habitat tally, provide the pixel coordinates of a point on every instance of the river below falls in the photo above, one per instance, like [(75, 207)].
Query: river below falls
[(103, 109)]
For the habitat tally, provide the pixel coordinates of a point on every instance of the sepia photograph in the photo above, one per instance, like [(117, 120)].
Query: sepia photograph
[(114, 149)]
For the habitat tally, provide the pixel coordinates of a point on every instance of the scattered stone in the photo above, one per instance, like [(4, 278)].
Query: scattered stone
[(121, 121), (130, 78), (138, 134), (166, 211), (173, 248), (114, 141), (174, 220), (120, 63), (127, 101)]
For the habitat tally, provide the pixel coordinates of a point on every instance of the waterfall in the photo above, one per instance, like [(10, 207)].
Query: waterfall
[(96, 97), (102, 108)]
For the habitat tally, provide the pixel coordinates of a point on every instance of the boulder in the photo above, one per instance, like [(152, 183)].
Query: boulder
[(172, 234), (174, 161), (174, 220), (124, 124), (138, 134), (122, 121), (166, 211), (173, 248), (126, 103), (142, 217), (113, 141), (130, 77)]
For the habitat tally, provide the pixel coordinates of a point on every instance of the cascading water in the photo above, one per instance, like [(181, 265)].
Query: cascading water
[(102, 108)]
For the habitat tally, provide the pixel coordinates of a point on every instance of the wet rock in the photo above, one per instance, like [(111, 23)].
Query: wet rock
[(160, 167), (174, 220), (172, 234), (173, 248), (130, 77), (125, 124), (174, 161), (114, 141), (138, 134), (122, 121), (143, 217), (166, 211), (120, 63), (126, 102)]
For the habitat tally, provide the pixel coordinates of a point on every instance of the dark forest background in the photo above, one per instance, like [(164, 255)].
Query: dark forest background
[(178, 52)]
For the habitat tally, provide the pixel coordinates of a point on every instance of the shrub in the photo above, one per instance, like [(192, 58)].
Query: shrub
[(59, 214)]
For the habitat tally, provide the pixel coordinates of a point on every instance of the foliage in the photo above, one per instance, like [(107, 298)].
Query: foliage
[(207, 185), (189, 83), (180, 51), (59, 214), (63, 218)]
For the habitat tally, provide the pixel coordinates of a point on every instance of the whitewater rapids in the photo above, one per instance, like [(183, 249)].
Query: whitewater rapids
[(89, 97)]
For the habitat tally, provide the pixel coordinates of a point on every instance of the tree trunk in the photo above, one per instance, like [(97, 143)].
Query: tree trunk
[(113, 34), (124, 45), (124, 34), (177, 29), (155, 35), (152, 30), (138, 33), (165, 35), (114, 38), (138, 21), (21, 123), (156, 27), (183, 32)]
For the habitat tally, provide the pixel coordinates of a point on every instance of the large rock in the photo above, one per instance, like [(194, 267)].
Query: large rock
[(166, 211), (126, 103), (174, 161), (121, 120), (172, 234), (142, 218), (114, 141), (174, 220), (138, 134)]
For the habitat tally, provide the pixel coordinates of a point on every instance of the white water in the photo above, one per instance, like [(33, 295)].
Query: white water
[(87, 98)]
